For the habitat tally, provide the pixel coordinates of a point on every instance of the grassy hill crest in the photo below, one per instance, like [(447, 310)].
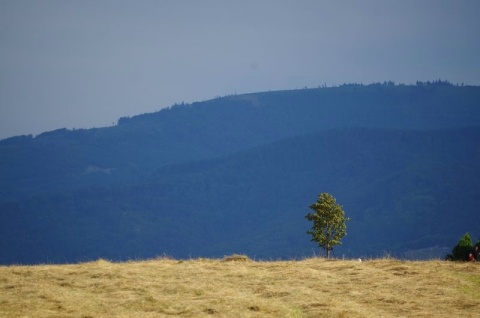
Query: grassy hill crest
[(240, 287)]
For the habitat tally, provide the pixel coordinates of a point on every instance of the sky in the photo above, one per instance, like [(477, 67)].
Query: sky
[(85, 63)]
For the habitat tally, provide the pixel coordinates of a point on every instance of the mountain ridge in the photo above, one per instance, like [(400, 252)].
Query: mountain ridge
[(162, 183)]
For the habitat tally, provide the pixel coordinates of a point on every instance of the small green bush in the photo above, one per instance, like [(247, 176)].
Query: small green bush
[(461, 250)]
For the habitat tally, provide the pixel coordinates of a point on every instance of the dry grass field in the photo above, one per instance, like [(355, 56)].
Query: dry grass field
[(239, 287)]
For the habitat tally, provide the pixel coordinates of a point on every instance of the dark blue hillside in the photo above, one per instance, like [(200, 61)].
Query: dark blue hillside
[(236, 174), (132, 150), (402, 189)]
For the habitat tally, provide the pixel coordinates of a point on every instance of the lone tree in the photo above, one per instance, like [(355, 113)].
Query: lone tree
[(329, 222)]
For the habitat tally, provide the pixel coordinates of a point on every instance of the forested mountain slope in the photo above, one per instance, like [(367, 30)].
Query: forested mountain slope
[(237, 174), (65, 159)]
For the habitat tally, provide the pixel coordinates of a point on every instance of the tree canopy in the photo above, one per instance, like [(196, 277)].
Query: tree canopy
[(329, 222)]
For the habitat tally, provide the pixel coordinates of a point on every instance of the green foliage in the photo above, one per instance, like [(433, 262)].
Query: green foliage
[(461, 250), (329, 222)]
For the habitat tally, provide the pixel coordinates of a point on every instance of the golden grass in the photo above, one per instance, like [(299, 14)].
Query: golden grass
[(239, 287)]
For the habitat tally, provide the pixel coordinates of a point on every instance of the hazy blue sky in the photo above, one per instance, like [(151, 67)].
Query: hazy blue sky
[(85, 63)]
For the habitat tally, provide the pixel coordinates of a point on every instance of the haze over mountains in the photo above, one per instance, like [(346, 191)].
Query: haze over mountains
[(236, 174)]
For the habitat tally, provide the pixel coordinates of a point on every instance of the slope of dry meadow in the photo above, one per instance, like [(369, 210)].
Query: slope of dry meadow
[(238, 287)]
